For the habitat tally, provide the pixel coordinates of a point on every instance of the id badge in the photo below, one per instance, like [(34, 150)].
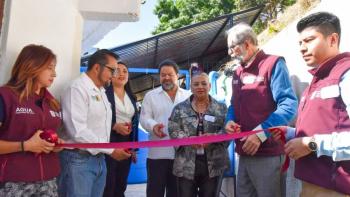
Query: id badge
[(209, 118)]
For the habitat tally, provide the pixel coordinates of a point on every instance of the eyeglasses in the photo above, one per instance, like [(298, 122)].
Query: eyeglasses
[(163, 75), (231, 49), (114, 71)]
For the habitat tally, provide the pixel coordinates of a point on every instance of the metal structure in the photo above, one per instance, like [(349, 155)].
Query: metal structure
[(203, 42)]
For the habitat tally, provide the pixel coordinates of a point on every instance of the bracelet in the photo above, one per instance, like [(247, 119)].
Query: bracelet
[(22, 146)]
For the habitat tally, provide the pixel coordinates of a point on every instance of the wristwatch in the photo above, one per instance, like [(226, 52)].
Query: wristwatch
[(312, 145)]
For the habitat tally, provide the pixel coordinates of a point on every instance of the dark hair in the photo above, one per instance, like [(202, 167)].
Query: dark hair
[(100, 57), (324, 22), (127, 86), (123, 63), (169, 62)]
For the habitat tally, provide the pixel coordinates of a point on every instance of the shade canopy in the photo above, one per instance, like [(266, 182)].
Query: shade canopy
[(203, 42)]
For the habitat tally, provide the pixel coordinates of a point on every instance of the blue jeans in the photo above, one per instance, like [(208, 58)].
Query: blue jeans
[(82, 175)]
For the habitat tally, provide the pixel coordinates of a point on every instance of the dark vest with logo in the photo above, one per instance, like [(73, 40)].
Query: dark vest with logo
[(22, 120), (322, 111), (253, 101)]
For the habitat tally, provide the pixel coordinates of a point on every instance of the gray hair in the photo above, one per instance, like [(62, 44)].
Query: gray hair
[(201, 74), (240, 33)]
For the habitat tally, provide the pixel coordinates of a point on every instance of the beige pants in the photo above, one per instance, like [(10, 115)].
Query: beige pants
[(311, 190)]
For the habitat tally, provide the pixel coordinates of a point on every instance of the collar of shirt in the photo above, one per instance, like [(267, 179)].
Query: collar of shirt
[(90, 84), (179, 91), (159, 90)]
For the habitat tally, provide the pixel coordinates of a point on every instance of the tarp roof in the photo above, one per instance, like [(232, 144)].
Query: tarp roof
[(203, 42)]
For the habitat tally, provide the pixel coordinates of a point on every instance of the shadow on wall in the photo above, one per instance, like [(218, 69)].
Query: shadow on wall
[(298, 88), (1, 13)]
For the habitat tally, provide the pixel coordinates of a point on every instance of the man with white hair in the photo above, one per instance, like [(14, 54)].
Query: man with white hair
[(262, 98)]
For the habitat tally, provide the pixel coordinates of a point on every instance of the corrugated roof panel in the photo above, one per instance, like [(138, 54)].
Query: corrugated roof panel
[(203, 42)]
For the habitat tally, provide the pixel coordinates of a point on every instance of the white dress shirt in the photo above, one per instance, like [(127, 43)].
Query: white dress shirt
[(87, 114), (124, 111), (156, 108)]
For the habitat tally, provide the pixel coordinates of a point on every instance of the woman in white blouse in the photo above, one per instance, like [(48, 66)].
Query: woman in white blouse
[(125, 122)]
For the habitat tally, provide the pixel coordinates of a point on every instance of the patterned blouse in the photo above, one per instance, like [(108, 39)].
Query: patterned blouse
[(183, 123)]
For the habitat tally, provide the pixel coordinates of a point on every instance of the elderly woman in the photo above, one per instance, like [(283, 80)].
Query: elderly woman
[(198, 167)]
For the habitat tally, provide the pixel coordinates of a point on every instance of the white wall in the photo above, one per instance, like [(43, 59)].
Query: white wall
[(56, 24), (101, 18), (286, 42), (110, 10), (93, 31)]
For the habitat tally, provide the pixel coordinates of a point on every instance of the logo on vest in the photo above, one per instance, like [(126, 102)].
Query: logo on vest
[(250, 79), (24, 110), (56, 114), (315, 94), (327, 92), (260, 78)]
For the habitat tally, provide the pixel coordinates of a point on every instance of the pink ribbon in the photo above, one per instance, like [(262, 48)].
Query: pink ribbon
[(162, 143), (173, 142), (286, 163)]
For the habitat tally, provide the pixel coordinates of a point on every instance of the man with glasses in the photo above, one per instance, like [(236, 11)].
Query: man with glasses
[(87, 119), (156, 109), (114, 71), (262, 98)]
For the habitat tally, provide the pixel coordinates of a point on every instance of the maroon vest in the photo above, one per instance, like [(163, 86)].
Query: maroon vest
[(323, 112), (253, 101), (22, 120)]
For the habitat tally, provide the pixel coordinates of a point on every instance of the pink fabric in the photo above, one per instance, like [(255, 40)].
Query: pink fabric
[(174, 142), (163, 143)]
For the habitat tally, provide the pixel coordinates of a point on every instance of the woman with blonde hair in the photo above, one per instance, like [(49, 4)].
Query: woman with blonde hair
[(28, 163)]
